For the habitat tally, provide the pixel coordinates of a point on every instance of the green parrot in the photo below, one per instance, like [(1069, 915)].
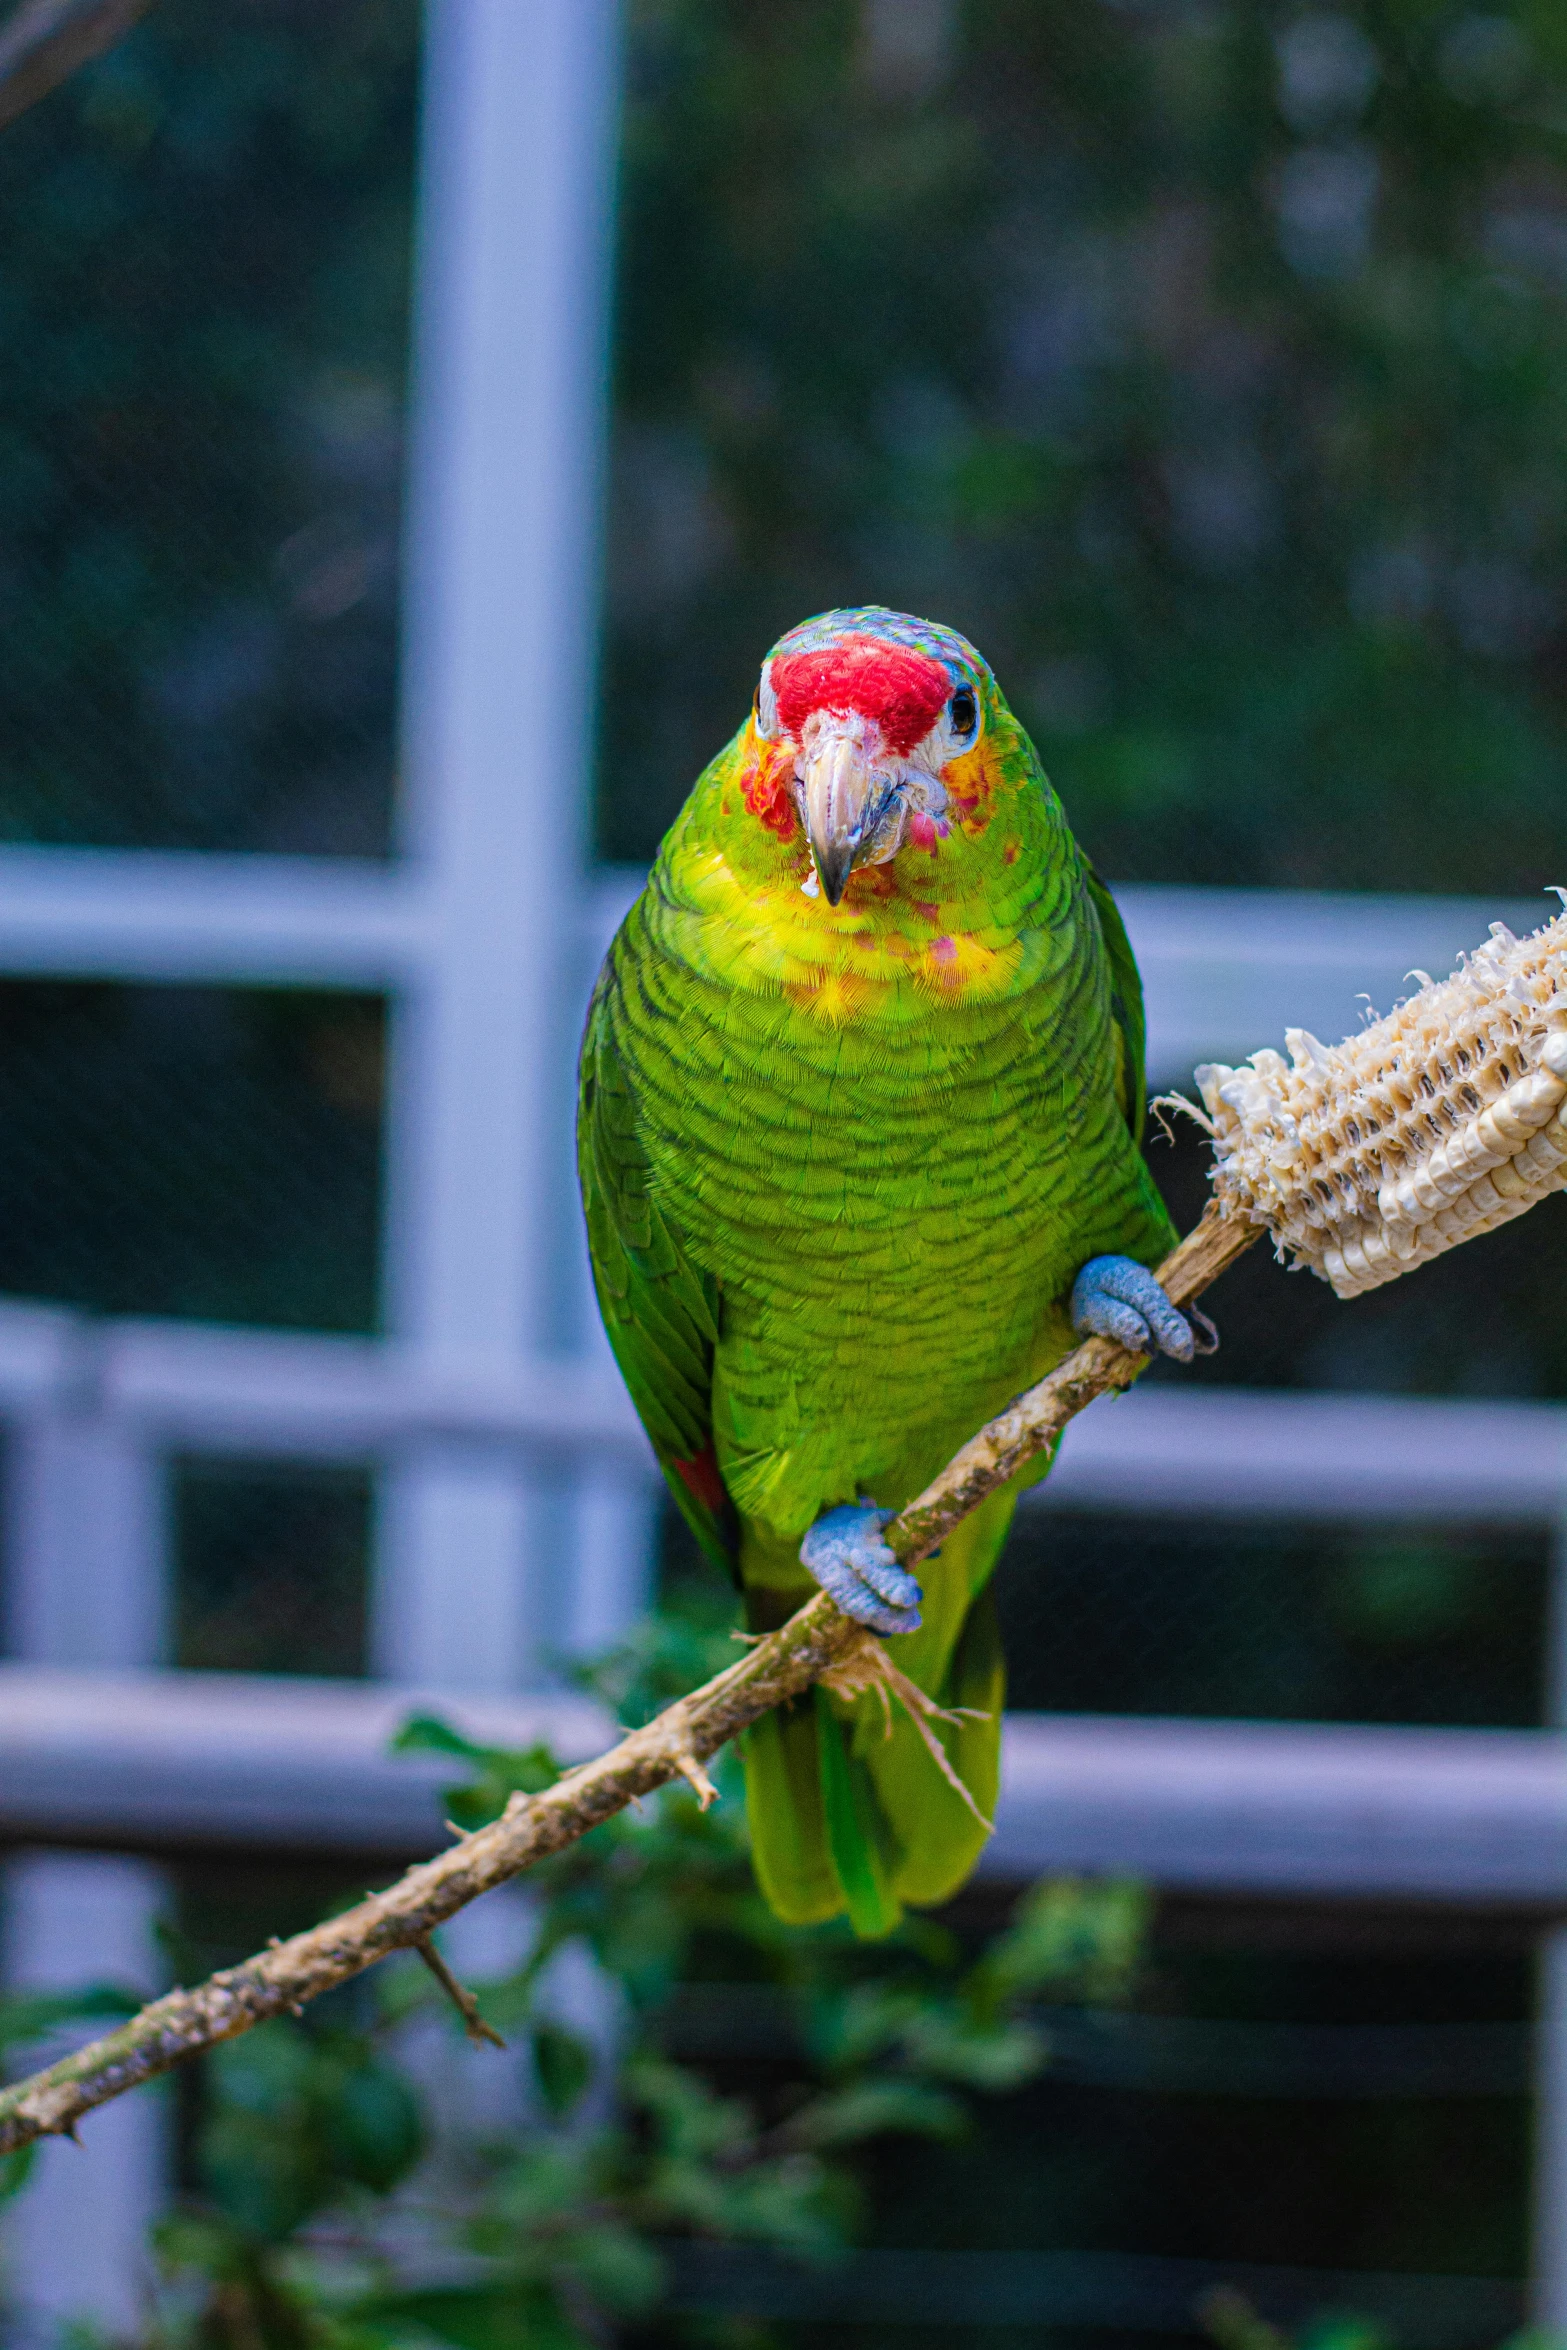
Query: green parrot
[(860, 1151)]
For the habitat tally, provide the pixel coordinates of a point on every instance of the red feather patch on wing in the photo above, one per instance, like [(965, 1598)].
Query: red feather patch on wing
[(701, 1479), (901, 689)]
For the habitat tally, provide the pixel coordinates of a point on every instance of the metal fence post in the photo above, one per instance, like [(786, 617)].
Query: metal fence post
[(502, 558), (87, 1574), (77, 2238), (86, 1524), (616, 1518)]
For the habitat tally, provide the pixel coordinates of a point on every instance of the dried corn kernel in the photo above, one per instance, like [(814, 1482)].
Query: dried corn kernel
[(1443, 1120)]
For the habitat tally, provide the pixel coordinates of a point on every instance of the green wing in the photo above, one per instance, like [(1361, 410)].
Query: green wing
[(1126, 1003), (660, 1313)]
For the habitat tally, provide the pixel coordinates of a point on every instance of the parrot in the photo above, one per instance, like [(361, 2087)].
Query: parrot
[(860, 1146)]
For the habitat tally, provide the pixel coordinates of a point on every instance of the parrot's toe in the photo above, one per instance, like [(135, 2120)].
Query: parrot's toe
[(1114, 1297), (858, 1572)]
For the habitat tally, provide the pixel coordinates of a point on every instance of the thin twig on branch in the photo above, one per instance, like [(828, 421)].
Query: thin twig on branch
[(817, 1642), (473, 2023), (44, 42)]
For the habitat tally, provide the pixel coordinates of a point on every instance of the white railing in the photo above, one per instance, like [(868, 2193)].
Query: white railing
[(171, 1762)]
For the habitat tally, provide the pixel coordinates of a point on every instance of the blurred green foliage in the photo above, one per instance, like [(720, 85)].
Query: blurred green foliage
[(1207, 364), (30, 2023), (700, 2110), (330, 2205), (1229, 2319)]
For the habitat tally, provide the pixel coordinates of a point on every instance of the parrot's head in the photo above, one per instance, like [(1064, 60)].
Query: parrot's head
[(864, 715)]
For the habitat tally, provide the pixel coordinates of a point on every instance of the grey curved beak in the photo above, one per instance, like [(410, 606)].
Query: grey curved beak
[(838, 783)]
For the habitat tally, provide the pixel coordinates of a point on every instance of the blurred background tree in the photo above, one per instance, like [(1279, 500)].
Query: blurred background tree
[(1202, 359)]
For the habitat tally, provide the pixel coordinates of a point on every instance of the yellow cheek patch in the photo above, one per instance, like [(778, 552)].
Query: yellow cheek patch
[(971, 781)]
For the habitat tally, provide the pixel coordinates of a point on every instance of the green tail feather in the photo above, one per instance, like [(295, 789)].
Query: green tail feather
[(783, 1797), (858, 1840), (847, 1816)]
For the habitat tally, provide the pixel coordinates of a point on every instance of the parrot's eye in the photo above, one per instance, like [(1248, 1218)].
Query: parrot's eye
[(963, 714), (764, 706)]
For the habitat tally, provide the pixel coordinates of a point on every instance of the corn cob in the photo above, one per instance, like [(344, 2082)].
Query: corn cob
[(1443, 1120)]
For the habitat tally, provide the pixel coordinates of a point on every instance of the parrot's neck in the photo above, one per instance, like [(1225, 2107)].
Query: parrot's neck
[(974, 916)]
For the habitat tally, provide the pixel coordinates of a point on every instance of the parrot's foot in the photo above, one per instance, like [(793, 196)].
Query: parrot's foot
[(1114, 1297), (858, 1571)]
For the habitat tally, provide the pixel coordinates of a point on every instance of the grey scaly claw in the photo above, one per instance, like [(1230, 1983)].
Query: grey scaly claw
[(1115, 1297), (858, 1572)]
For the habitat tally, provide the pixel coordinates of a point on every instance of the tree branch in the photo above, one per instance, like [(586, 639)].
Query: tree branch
[(44, 42), (816, 1642)]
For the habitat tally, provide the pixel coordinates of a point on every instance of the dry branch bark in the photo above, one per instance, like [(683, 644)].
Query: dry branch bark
[(817, 1641), (45, 41)]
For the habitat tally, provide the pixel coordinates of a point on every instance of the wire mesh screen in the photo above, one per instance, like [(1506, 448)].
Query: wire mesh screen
[(271, 1572), (1286, 1622), (204, 285), (1112, 1614), (1487, 1319), (192, 1151), (212, 1154), (204, 288)]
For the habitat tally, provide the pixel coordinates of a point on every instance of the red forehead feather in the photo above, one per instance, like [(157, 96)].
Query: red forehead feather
[(901, 689)]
